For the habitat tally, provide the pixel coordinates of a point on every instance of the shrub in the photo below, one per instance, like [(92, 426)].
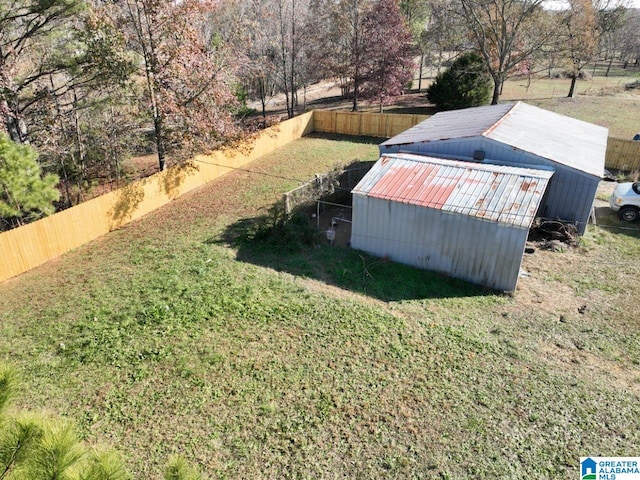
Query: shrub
[(582, 74), (289, 232), (465, 84)]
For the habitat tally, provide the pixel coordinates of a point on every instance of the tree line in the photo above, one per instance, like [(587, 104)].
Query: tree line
[(86, 83)]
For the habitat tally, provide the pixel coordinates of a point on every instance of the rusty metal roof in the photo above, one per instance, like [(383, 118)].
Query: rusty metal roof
[(561, 139), (509, 195)]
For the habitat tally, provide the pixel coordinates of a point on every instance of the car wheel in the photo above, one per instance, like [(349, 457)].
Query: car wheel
[(629, 214)]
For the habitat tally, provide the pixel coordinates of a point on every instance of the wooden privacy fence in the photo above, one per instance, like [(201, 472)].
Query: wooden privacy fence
[(623, 154), (383, 125), (27, 247)]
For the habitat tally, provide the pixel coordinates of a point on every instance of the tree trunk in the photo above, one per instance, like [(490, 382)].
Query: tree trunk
[(65, 183), (609, 67), (420, 74), (293, 54), (80, 144), (15, 128), (304, 98), (262, 89), (159, 133), (158, 127), (572, 89), (497, 88), (356, 87), (354, 107)]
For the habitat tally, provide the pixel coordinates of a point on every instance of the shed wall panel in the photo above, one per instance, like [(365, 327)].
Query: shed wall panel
[(464, 247)]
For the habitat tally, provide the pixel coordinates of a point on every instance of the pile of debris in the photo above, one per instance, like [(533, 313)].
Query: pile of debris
[(632, 85), (553, 235)]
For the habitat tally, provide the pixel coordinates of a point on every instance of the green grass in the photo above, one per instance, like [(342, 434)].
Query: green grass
[(170, 336)]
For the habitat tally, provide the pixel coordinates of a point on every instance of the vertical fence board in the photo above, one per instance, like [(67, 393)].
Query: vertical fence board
[(623, 154), (383, 125)]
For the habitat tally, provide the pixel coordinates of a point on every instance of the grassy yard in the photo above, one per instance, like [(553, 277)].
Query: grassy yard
[(253, 361), (598, 99)]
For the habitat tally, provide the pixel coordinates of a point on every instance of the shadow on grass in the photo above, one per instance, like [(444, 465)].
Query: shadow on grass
[(336, 137), (424, 110), (342, 267), (413, 102)]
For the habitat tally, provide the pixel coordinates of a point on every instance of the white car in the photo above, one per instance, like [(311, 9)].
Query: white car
[(625, 200)]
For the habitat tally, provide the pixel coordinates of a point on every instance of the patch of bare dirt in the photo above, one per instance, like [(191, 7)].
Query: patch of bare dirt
[(141, 166), (585, 364), (327, 95)]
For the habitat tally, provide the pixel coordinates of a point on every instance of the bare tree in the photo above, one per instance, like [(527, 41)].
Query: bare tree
[(611, 20), (630, 44), (258, 41), (32, 33), (505, 32), (290, 16), (339, 24), (444, 33), (416, 14)]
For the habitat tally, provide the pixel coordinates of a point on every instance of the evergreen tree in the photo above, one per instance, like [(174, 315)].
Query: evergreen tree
[(25, 194), (37, 447), (465, 84)]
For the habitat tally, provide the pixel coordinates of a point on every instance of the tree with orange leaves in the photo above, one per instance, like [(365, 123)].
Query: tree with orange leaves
[(580, 38), (187, 72)]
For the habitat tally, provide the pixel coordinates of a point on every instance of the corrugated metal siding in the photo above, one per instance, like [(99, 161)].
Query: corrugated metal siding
[(496, 193), (570, 192), (464, 247), (433, 214), (570, 198), (461, 148)]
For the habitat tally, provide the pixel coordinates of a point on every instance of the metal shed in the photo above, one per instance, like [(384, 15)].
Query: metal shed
[(466, 220), (519, 135)]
